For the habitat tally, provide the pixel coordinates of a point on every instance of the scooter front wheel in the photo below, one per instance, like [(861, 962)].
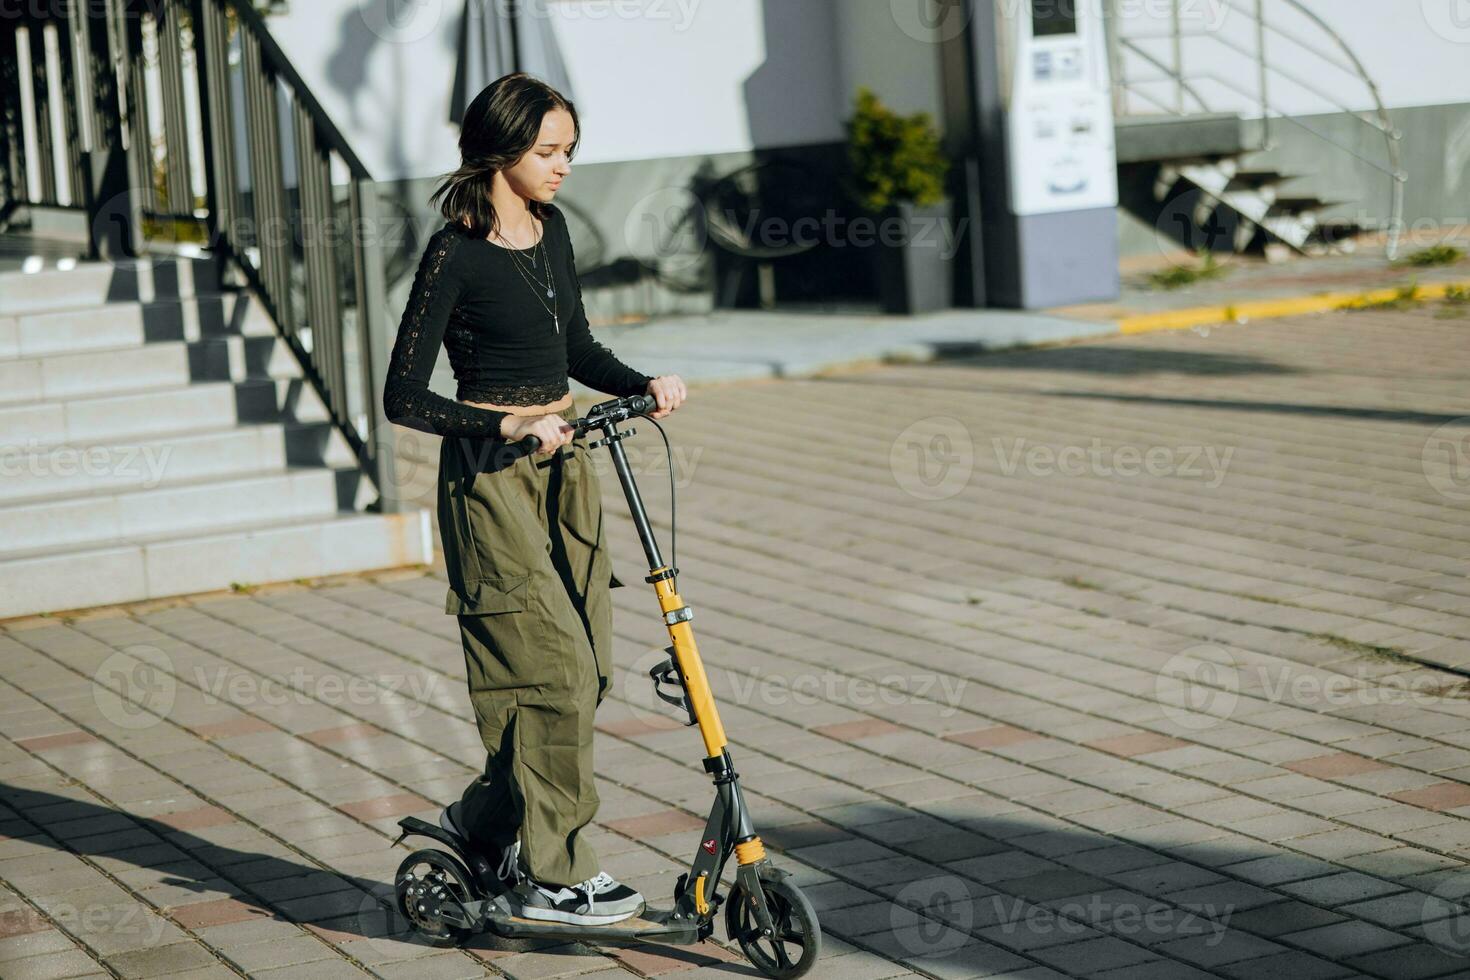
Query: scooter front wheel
[(426, 881), (798, 936)]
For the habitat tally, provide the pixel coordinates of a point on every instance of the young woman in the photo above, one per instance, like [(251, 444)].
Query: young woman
[(523, 540)]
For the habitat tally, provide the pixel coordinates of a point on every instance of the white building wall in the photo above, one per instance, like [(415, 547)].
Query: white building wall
[(1415, 50), (658, 79), (651, 78)]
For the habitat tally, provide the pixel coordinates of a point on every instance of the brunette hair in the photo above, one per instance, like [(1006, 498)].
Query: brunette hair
[(500, 126)]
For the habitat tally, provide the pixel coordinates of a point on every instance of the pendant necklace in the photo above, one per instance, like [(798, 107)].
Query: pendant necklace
[(549, 286)]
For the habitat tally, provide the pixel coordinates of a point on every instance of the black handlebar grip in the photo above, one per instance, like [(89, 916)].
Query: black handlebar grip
[(640, 404)]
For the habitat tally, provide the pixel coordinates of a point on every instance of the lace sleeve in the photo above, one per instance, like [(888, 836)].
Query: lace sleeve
[(407, 400), (588, 361)]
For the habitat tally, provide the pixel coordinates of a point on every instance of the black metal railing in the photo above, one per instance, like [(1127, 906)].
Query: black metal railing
[(194, 128)]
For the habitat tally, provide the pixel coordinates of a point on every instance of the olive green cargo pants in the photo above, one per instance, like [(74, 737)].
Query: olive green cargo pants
[(529, 574)]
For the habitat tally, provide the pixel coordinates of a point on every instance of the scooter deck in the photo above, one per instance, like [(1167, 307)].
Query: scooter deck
[(653, 925), (636, 922)]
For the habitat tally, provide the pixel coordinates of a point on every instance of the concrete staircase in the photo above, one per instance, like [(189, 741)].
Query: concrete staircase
[(157, 438), (1253, 195), (1212, 190)]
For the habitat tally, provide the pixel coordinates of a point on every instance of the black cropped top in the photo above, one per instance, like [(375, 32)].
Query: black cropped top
[(503, 343)]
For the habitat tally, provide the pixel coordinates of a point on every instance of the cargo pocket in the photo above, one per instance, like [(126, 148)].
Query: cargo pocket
[(584, 520), (507, 594)]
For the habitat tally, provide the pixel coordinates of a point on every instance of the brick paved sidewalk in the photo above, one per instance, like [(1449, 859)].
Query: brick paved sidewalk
[(1122, 659)]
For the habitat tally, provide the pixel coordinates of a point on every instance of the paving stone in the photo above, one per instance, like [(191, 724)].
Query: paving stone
[(1142, 743), (1340, 889), (1410, 963), (993, 737), (161, 960), (1335, 765), (1439, 796), (1343, 939), (1216, 949), (1404, 910), (1283, 917), (1291, 965), (1093, 955)]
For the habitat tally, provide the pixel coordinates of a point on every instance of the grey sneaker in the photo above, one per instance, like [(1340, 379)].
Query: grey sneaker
[(597, 901)]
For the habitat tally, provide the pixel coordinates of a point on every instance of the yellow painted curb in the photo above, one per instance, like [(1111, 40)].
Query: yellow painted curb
[(1198, 316)]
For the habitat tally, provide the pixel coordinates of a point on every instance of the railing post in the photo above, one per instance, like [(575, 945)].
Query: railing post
[(45, 162), (71, 94), (211, 58), (323, 312), (1115, 58), (178, 190), (374, 341), (1264, 71), (12, 141), (267, 186), (1176, 29), (109, 191)]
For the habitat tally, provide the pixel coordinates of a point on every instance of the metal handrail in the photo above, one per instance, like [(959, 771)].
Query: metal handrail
[(1149, 98), (319, 328), (1227, 83), (318, 335), (1169, 36), (1174, 76), (1309, 86), (1382, 124)]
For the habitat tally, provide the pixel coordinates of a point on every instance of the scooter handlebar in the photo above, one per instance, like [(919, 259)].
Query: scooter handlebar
[(627, 407)]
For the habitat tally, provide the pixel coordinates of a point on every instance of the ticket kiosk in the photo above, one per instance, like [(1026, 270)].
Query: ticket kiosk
[(1029, 121)]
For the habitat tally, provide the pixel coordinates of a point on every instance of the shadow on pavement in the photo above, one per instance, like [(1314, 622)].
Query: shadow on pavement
[(958, 896)]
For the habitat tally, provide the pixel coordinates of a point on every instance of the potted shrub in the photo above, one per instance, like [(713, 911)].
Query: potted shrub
[(898, 170)]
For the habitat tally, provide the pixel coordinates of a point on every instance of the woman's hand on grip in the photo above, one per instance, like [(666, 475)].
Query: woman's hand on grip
[(551, 429), (669, 391)]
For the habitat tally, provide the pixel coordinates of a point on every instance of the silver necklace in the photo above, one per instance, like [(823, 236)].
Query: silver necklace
[(534, 282)]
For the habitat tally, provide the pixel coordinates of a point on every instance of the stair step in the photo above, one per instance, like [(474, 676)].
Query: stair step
[(90, 284), (1293, 229), (159, 411), (166, 410), (1303, 204), (1206, 176), (114, 325), (1256, 200), (213, 559), (1259, 178), (163, 364), (115, 516), (58, 472)]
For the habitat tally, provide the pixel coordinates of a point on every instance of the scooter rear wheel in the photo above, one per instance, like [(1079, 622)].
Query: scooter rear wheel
[(425, 879), (798, 939)]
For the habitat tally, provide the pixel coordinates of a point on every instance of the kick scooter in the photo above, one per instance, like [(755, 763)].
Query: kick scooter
[(451, 895)]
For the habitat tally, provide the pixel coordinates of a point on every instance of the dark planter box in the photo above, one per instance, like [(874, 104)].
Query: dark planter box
[(910, 260)]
